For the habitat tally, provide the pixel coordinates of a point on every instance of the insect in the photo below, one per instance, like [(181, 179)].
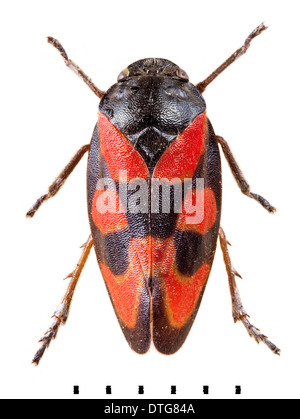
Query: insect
[(154, 227)]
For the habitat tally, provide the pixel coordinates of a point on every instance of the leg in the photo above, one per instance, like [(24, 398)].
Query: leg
[(257, 31), (61, 314), (74, 67), (239, 177), (238, 311), (59, 181)]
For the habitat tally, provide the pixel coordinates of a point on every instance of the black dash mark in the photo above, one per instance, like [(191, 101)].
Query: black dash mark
[(76, 390), (238, 390), (108, 389), (173, 389), (205, 389), (141, 389)]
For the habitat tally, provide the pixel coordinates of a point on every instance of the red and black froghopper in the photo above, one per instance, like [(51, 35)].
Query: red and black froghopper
[(152, 129)]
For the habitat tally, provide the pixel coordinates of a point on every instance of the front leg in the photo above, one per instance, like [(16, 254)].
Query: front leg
[(239, 177)]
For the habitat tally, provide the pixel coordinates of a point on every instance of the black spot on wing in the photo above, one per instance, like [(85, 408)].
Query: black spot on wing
[(190, 252), (139, 224), (163, 220), (162, 225), (116, 246)]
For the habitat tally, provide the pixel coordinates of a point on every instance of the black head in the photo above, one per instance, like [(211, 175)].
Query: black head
[(153, 67)]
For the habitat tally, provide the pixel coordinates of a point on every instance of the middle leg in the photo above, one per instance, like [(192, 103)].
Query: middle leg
[(59, 181), (239, 177)]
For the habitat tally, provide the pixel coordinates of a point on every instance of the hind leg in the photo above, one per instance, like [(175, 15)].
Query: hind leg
[(238, 311), (61, 314)]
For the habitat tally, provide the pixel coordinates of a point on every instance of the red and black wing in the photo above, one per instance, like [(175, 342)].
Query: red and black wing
[(181, 263), (123, 256)]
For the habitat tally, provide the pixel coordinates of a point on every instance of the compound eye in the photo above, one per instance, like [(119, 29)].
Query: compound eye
[(123, 74), (182, 74)]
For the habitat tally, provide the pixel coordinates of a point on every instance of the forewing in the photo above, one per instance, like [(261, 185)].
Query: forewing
[(181, 263), (123, 253)]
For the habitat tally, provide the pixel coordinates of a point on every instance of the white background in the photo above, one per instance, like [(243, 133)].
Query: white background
[(47, 114)]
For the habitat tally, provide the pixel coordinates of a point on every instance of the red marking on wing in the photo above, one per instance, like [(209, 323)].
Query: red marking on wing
[(181, 158), (126, 289), (123, 161), (107, 211), (181, 292), (208, 212)]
